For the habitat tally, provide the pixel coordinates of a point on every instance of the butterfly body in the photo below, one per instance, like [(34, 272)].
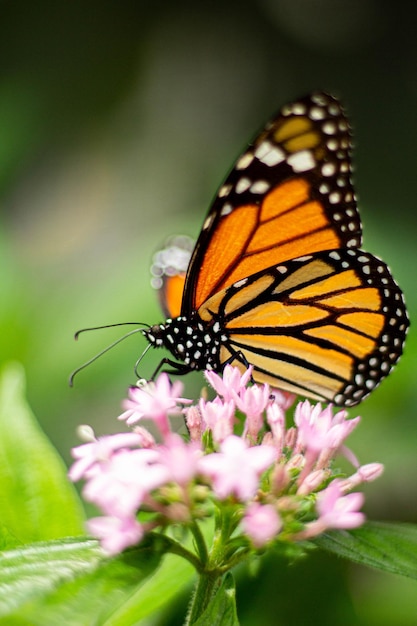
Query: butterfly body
[(195, 342), (277, 278)]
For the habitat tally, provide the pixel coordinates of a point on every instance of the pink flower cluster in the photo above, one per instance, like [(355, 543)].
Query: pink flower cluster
[(238, 453)]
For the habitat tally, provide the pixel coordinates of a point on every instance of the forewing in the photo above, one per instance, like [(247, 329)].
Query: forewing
[(289, 194)]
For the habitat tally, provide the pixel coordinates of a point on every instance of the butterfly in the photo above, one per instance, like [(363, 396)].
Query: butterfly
[(277, 279)]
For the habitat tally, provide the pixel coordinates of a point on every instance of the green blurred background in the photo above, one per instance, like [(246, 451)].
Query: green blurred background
[(118, 120)]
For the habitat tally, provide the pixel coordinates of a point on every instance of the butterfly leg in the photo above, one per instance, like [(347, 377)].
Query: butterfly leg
[(179, 368), (240, 357)]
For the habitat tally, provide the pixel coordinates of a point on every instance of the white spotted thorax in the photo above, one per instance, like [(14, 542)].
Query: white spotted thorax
[(192, 341), (319, 317)]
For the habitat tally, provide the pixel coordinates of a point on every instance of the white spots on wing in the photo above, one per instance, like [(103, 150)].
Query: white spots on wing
[(298, 108), (316, 113), (263, 149), (335, 197), (334, 109), (286, 110), (243, 185), (302, 259), (244, 161), (269, 154), (321, 99), (302, 161), (329, 128), (328, 169), (238, 284), (332, 144), (227, 208), (260, 186), (224, 191), (208, 222)]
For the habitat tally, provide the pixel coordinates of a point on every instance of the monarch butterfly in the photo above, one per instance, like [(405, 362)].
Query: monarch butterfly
[(277, 279)]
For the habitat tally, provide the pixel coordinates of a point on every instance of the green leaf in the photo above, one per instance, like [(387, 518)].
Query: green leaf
[(37, 500), (222, 609), (36, 570), (71, 582), (173, 575), (381, 545)]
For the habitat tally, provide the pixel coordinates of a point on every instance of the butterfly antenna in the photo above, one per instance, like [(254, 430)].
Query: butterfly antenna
[(84, 330), (112, 345)]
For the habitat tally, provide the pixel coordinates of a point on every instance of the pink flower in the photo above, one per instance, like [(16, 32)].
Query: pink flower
[(179, 458), (155, 401), (312, 482), (119, 486), (102, 449), (365, 474), (230, 381), (147, 440), (275, 417), (115, 533), (284, 399), (319, 429), (236, 469), (339, 511), (261, 523), (370, 472), (253, 401), (194, 422), (219, 417)]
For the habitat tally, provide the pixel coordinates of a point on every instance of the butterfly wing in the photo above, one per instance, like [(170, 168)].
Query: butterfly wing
[(168, 271), (328, 326), (289, 194), (278, 269)]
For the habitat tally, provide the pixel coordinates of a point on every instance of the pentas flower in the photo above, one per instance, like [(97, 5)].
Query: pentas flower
[(155, 401), (261, 523), (235, 469), (231, 382), (120, 484), (320, 433), (115, 533), (218, 416), (99, 450), (253, 401), (261, 481)]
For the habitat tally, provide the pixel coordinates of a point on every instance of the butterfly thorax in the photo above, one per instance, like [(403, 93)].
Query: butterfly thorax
[(191, 340)]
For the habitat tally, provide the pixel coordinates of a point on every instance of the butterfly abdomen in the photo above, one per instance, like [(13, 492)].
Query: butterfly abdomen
[(191, 340)]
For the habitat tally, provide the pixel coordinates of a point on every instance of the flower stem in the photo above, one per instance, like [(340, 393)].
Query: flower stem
[(200, 542), (207, 584), (176, 548)]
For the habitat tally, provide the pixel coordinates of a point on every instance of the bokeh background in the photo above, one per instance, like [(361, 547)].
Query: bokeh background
[(118, 120)]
